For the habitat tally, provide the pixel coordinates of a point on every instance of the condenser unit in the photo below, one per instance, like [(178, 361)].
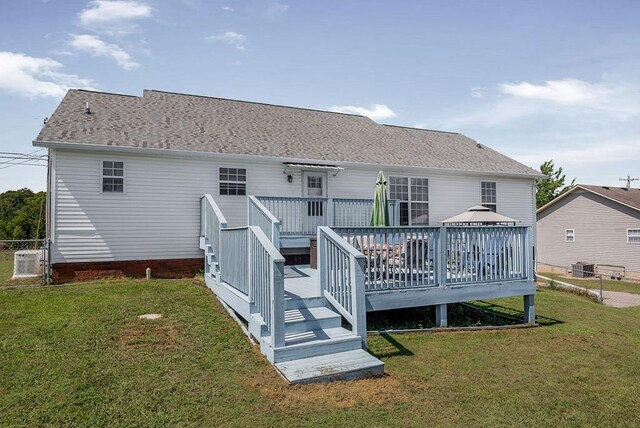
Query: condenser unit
[(27, 264)]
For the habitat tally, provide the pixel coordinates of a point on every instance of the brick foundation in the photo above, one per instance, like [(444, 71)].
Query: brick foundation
[(85, 271)]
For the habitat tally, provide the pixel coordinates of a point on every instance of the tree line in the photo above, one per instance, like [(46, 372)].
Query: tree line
[(22, 214)]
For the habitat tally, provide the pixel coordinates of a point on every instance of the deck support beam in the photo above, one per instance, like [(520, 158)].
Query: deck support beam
[(441, 315), (529, 309)]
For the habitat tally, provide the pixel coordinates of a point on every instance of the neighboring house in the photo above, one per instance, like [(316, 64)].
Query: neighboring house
[(152, 181), (591, 224)]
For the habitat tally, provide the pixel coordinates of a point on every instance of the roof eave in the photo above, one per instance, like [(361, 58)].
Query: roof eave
[(187, 153), (578, 186)]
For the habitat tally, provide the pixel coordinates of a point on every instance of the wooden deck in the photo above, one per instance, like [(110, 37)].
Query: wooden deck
[(311, 323)]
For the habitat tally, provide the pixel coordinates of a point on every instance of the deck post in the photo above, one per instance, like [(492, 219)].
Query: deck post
[(277, 307), (440, 268), (441, 315), (359, 299), (331, 219), (322, 262), (529, 309)]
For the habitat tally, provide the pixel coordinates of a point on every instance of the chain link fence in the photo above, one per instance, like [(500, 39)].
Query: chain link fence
[(23, 262)]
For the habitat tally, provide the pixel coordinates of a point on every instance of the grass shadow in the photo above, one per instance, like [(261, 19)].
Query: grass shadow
[(396, 348), (505, 311)]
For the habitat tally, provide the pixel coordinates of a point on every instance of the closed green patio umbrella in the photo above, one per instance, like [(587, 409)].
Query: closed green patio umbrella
[(380, 213)]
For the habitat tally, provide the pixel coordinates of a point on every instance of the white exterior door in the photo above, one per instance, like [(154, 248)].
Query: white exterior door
[(314, 185)]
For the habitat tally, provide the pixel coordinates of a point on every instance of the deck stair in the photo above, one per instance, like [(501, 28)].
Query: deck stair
[(317, 347), (301, 335)]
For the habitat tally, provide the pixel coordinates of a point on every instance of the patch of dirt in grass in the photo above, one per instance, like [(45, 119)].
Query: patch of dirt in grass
[(154, 334), (367, 393)]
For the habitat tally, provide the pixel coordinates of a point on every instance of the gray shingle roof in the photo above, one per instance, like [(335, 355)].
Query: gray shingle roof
[(630, 197), (205, 124)]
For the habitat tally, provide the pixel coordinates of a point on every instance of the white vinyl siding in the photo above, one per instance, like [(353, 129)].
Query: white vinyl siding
[(157, 217), (633, 236), (569, 235)]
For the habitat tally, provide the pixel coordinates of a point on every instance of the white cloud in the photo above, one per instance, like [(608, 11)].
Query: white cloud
[(232, 38), (276, 9), (583, 155), (565, 92), (374, 112), (36, 77), (96, 47), (227, 8), (478, 92), (570, 100), (113, 16)]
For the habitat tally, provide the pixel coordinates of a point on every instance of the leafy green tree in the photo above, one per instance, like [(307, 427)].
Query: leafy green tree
[(22, 214), (553, 185)]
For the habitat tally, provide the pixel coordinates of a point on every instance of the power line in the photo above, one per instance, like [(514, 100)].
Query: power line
[(24, 159), (11, 163)]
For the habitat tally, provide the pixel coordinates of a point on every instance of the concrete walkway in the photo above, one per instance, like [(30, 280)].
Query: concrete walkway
[(619, 299)]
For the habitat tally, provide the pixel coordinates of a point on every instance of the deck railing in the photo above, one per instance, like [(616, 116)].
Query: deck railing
[(486, 254), (259, 215), (266, 283), (251, 264), (235, 258), (396, 257), (341, 275), (212, 221), (303, 216), (410, 257)]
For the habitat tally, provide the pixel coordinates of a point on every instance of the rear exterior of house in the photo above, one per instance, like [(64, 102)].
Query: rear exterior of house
[(591, 224), (179, 183), (174, 148)]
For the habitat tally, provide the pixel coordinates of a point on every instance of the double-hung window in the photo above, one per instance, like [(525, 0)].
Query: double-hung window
[(489, 195), (633, 236), (413, 196), (233, 181), (569, 235), (113, 176)]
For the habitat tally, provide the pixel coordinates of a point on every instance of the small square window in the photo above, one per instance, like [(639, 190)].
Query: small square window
[(113, 176), (233, 181), (633, 236), (570, 235)]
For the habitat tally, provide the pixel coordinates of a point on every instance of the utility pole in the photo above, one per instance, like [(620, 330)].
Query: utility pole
[(628, 180)]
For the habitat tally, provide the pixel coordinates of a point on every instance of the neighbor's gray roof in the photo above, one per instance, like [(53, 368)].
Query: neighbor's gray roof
[(629, 197), (204, 124)]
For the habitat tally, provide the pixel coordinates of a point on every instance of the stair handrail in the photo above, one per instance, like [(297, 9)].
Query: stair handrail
[(259, 215), (212, 221), (266, 283), (341, 279)]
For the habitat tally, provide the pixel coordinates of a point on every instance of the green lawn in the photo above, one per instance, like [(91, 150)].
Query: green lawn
[(78, 356), (607, 284), (6, 266)]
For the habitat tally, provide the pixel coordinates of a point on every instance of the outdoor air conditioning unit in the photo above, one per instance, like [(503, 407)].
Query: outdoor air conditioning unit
[(27, 264)]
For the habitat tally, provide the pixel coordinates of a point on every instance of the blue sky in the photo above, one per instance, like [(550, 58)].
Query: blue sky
[(535, 80)]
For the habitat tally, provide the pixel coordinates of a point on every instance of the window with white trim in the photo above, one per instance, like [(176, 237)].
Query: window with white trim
[(113, 176), (633, 236), (413, 195), (233, 181), (570, 235), (314, 185), (489, 195)]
